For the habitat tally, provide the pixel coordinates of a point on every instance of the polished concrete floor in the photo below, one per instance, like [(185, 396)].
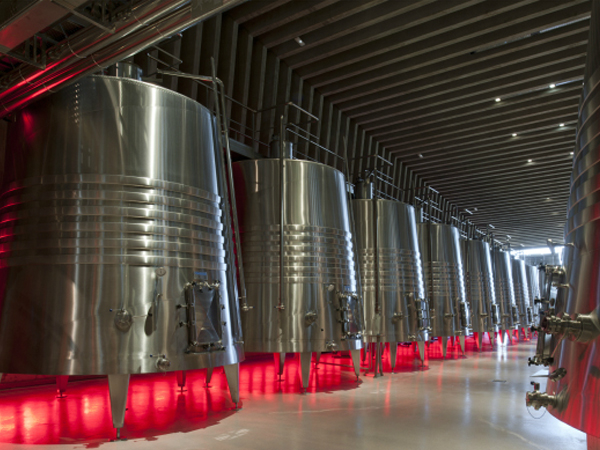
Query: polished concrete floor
[(475, 402)]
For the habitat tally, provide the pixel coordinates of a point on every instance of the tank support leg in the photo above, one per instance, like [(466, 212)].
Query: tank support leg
[(1, 377), (305, 359), (501, 336), (364, 352), (279, 363), (317, 358), (232, 373), (209, 374), (421, 347), (491, 336), (461, 341), (378, 362), (118, 385), (61, 385), (393, 353), (355, 355), (181, 376), (444, 340), (452, 341), (480, 340), (509, 338)]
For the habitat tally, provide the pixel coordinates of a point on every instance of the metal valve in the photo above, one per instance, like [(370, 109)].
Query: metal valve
[(539, 399), (245, 307), (123, 320), (162, 363), (539, 361), (397, 316), (310, 317), (580, 328), (331, 346)]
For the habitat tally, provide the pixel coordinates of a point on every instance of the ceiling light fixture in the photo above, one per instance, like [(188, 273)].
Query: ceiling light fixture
[(571, 153), (498, 99), (514, 135), (300, 42), (562, 125), (552, 86), (530, 160), (420, 155)]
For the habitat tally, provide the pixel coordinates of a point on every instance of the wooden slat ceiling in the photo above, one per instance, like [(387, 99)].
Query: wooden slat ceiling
[(422, 78)]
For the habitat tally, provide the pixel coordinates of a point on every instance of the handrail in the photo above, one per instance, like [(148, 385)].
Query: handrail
[(315, 144), (285, 106), (200, 79)]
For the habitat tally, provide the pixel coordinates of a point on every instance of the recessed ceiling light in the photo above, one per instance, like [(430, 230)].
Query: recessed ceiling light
[(552, 86), (514, 134), (420, 155), (498, 99), (300, 42), (530, 160), (571, 153), (562, 125)]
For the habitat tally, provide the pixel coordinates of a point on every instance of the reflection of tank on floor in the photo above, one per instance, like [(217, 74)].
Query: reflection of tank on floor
[(117, 253), (301, 224), (479, 284), (392, 276), (444, 281)]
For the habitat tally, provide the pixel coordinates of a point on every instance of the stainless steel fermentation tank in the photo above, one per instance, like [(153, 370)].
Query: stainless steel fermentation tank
[(522, 295), (533, 285), (479, 285), (573, 390), (505, 293), (313, 305), (444, 281), (116, 250), (396, 309)]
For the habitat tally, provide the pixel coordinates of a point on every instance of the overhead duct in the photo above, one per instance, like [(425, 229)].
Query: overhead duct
[(93, 49)]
